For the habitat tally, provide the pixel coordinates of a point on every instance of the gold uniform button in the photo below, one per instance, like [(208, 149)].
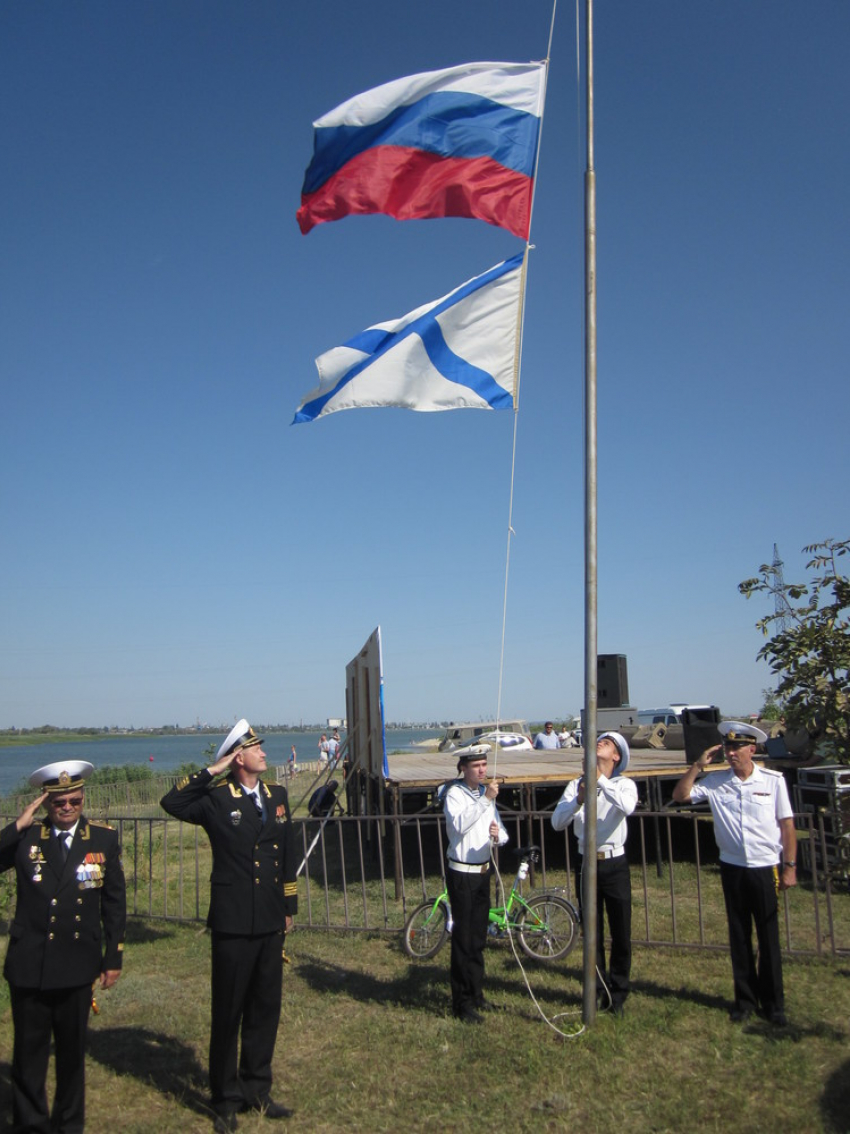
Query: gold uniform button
[(54, 902), (256, 881), (50, 937), (76, 937), (77, 917)]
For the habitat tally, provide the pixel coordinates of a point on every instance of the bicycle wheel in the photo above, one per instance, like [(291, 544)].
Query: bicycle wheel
[(548, 929), (425, 931)]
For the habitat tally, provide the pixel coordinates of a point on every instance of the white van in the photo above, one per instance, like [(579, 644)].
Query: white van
[(667, 714)]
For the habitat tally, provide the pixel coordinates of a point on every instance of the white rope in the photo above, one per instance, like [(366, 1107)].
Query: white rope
[(547, 1020), (528, 248)]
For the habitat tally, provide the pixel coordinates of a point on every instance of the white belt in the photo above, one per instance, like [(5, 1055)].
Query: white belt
[(608, 852), (469, 867)]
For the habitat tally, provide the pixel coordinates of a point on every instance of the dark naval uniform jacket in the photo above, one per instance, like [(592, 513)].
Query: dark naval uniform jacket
[(253, 885), (70, 917)]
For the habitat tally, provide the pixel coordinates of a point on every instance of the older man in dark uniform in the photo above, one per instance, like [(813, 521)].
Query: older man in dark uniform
[(253, 899), (68, 931)]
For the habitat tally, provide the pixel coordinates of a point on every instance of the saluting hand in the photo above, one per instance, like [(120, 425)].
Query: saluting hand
[(224, 763), (27, 816)]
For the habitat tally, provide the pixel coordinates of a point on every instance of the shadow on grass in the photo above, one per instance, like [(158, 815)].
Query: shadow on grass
[(835, 1100), (144, 933), (153, 1058), (425, 986)]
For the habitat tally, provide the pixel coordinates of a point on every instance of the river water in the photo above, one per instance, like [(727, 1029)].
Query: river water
[(164, 754)]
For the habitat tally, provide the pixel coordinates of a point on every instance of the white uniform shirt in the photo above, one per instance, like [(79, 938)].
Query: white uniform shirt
[(746, 814), (616, 798), (469, 814)]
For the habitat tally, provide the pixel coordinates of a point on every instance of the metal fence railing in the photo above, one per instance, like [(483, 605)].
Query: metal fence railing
[(362, 873)]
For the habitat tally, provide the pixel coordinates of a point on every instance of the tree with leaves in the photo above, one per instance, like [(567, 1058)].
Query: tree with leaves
[(811, 655)]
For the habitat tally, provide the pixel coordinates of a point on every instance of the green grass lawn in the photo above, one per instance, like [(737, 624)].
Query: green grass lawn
[(367, 1043)]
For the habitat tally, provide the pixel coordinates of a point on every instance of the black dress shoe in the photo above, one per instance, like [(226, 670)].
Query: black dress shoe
[(271, 1109), (469, 1016), (778, 1018), (740, 1015), (225, 1122)]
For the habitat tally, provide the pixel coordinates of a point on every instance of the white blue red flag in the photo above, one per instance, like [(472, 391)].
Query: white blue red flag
[(461, 142), (460, 352)]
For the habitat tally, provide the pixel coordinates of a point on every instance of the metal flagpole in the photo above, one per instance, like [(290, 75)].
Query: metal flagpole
[(590, 564)]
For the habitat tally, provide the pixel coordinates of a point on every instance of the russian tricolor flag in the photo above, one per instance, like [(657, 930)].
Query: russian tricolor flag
[(461, 142)]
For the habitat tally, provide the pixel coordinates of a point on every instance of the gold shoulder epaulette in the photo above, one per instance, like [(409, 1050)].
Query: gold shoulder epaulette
[(101, 823)]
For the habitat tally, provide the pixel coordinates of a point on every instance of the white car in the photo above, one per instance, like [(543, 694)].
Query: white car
[(507, 741)]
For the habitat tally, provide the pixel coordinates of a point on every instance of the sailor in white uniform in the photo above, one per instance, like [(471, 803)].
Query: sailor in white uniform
[(754, 829)]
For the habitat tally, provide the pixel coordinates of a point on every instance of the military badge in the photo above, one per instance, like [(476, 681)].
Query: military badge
[(235, 818), (280, 814), (36, 857), (90, 874)]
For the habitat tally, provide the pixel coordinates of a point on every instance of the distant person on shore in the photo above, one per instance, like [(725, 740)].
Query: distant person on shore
[(333, 750), (473, 826), (324, 751), (754, 828), (292, 767), (253, 899), (616, 799), (67, 933), (548, 738)]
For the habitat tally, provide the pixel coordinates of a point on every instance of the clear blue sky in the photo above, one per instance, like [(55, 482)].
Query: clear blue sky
[(174, 550)]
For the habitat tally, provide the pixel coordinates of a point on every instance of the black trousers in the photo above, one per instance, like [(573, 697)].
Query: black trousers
[(247, 978), (750, 896), (61, 1014), (614, 898), (469, 897)]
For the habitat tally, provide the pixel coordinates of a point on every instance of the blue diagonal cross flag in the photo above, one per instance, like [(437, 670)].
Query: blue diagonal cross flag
[(459, 352)]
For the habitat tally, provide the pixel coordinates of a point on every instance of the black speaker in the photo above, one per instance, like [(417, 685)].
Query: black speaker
[(700, 729), (612, 681)]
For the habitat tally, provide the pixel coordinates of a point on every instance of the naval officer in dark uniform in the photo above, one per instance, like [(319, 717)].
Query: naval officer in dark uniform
[(253, 897), (68, 931)]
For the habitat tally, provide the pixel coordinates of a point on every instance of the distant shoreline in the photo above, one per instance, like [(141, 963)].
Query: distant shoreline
[(25, 738)]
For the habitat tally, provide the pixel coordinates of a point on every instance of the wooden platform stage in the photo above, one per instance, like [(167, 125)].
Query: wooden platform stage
[(422, 771)]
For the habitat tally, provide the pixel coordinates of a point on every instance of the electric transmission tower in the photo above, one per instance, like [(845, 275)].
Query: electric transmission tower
[(781, 606)]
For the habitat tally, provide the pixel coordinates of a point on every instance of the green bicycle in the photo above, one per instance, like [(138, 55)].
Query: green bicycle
[(546, 925)]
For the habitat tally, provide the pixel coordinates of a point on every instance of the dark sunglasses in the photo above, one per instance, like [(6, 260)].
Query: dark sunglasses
[(72, 801)]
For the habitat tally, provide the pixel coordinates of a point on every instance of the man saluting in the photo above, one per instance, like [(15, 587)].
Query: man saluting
[(68, 931), (253, 897)]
